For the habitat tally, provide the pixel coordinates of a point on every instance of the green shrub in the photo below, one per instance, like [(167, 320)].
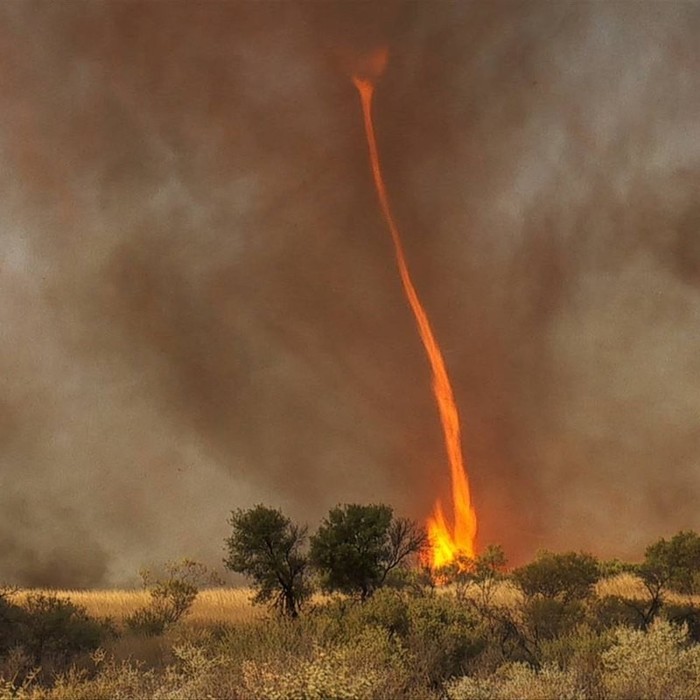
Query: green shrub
[(444, 637), (686, 614), (580, 653), (373, 665), (517, 681), (569, 576), (679, 558), (610, 568), (57, 628), (341, 619), (45, 635), (613, 611), (440, 634), (548, 618), (388, 610), (11, 621), (624, 664), (273, 637), (51, 635)]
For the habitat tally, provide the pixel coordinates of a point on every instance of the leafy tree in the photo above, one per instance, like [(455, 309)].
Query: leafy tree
[(268, 547), (655, 579), (357, 547), (677, 561), (668, 565), (567, 577)]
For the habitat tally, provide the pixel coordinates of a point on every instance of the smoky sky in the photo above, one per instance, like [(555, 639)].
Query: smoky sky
[(200, 309)]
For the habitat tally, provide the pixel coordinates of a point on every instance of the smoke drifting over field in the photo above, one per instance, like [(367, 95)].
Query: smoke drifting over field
[(199, 304)]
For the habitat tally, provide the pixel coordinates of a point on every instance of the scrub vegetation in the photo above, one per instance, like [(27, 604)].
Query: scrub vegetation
[(365, 620)]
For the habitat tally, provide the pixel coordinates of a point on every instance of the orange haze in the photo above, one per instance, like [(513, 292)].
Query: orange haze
[(446, 542)]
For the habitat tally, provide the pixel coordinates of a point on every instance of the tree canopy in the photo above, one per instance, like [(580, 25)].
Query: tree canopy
[(676, 561), (568, 576), (268, 547), (357, 546)]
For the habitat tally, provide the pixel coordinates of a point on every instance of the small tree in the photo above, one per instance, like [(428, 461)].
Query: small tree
[(677, 561), (567, 577), (668, 565), (268, 547), (556, 588), (655, 579), (356, 547), (173, 592)]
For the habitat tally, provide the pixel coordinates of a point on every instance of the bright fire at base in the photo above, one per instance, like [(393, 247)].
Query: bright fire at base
[(458, 538)]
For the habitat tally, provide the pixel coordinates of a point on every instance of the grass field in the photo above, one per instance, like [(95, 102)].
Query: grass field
[(232, 605), (213, 606)]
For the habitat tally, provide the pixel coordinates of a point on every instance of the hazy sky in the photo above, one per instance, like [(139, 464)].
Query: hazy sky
[(199, 306)]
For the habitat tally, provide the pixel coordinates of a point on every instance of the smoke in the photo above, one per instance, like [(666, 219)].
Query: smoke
[(199, 304)]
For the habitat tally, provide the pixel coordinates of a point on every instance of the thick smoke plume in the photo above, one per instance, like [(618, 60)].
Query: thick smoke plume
[(200, 309)]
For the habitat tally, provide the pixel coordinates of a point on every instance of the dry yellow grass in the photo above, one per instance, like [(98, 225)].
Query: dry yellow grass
[(216, 605), (226, 605), (623, 585), (212, 606), (630, 586)]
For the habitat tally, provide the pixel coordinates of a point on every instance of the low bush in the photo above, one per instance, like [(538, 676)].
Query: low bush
[(373, 665), (46, 635), (172, 595), (444, 637), (569, 576), (658, 664), (11, 621), (549, 618), (614, 610), (58, 629), (517, 681), (388, 610), (687, 614)]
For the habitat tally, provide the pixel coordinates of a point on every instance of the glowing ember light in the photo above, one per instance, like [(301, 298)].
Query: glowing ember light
[(459, 540)]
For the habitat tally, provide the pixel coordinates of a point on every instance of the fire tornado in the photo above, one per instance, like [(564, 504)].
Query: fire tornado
[(448, 540)]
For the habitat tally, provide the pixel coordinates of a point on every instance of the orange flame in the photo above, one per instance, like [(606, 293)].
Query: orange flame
[(446, 543)]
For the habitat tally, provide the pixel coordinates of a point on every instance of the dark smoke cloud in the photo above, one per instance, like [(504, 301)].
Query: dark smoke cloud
[(199, 303)]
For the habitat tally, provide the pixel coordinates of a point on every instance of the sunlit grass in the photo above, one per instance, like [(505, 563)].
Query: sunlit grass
[(232, 605), (632, 587), (212, 605), (623, 585)]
